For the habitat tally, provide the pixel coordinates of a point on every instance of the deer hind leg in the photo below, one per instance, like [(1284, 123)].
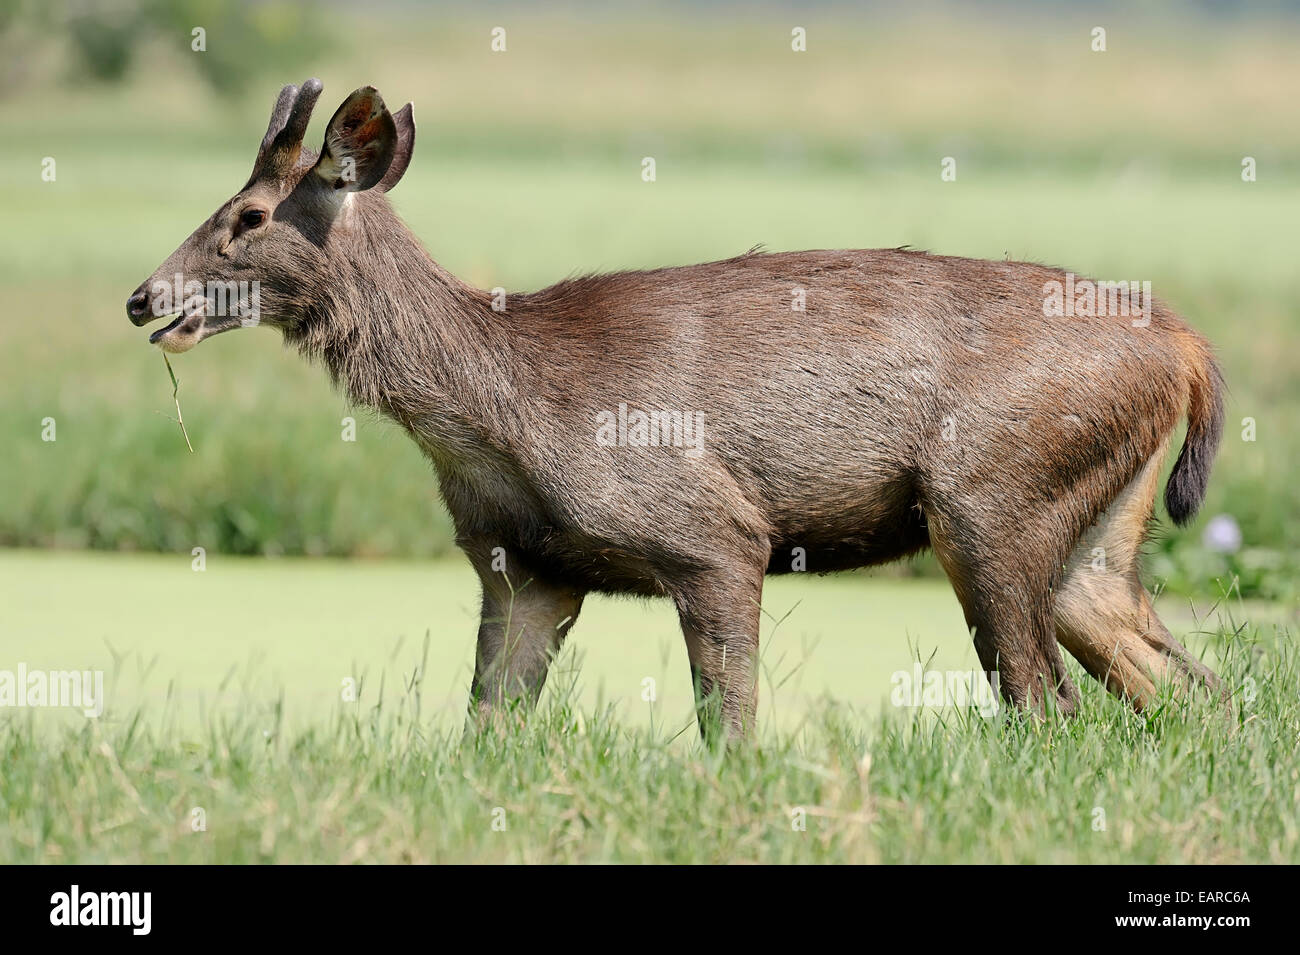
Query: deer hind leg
[(1104, 616), (1004, 585)]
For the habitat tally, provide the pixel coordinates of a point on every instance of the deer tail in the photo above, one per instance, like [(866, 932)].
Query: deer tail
[(1186, 488)]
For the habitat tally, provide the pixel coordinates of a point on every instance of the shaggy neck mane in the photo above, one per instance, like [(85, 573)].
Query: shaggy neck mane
[(401, 334)]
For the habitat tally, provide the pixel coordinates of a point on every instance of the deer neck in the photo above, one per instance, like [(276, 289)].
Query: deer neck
[(401, 334)]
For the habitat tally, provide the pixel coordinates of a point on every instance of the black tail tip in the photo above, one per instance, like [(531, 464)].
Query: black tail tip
[(1186, 488)]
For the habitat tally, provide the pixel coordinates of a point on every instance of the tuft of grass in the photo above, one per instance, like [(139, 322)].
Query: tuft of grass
[(1182, 784)]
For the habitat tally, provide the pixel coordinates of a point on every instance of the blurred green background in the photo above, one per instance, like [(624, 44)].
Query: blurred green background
[(1121, 164)]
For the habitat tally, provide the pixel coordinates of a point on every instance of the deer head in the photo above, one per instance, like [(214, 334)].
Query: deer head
[(265, 253)]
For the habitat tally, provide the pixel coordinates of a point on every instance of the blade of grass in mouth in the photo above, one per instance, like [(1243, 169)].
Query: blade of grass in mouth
[(176, 387)]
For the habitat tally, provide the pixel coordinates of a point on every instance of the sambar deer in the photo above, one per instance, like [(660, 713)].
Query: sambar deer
[(912, 401)]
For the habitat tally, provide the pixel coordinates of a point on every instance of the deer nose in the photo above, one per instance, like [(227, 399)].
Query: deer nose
[(137, 306)]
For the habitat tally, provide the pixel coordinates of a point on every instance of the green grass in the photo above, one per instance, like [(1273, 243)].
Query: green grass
[(224, 693), (391, 779)]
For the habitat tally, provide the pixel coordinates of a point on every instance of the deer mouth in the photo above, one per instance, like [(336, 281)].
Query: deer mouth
[(181, 335), (190, 328)]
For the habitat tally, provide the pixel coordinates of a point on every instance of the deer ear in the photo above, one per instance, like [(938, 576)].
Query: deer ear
[(360, 142), (404, 118)]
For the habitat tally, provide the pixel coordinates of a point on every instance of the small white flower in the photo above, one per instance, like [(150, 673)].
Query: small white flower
[(1222, 534)]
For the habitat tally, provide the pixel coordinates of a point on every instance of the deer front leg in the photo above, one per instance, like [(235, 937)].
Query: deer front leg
[(720, 616), (523, 625)]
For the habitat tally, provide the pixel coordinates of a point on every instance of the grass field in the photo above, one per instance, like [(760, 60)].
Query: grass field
[(224, 694), (329, 560)]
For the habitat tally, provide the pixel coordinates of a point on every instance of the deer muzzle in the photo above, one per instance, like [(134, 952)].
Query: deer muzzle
[(189, 325)]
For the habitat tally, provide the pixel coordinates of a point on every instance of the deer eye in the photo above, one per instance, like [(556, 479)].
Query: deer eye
[(252, 218)]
